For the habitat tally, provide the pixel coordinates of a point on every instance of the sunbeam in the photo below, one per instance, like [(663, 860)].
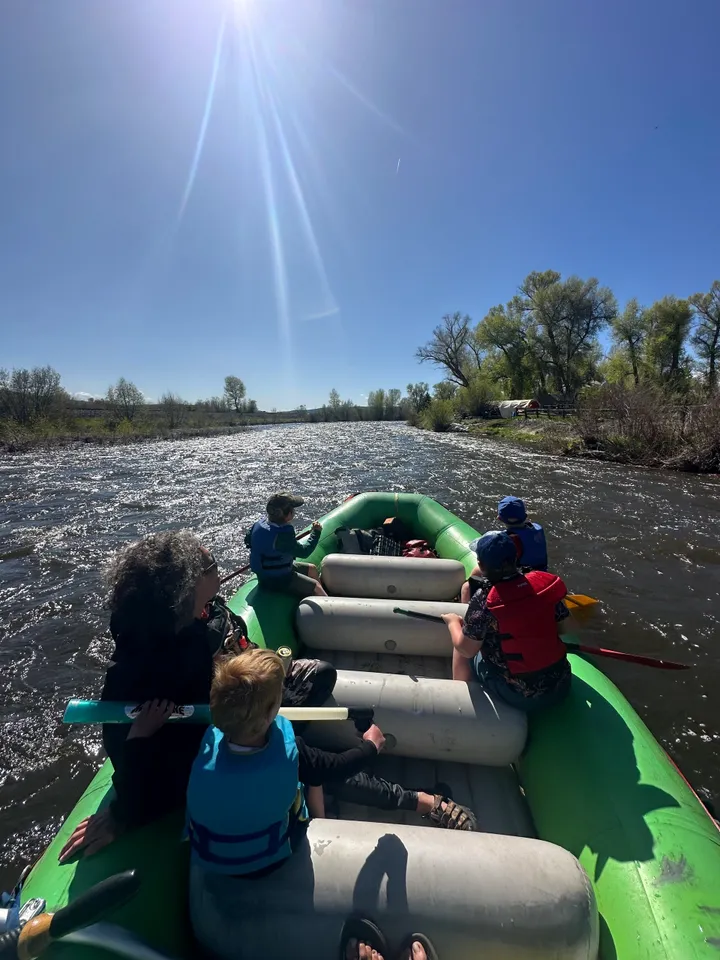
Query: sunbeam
[(278, 253), (330, 305), (204, 123)]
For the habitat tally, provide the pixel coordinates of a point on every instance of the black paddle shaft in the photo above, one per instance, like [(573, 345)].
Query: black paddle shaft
[(95, 903), (418, 616)]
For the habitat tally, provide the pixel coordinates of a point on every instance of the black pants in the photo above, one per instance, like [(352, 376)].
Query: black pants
[(371, 791)]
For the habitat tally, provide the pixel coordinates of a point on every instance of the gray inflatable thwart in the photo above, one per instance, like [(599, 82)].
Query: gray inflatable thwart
[(397, 578), (475, 895), (339, 623), (420, 717)]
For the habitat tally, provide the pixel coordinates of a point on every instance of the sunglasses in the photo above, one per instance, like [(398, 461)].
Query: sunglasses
[(211, 564)]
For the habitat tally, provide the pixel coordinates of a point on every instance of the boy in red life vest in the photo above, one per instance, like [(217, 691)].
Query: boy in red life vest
[(509, 639)]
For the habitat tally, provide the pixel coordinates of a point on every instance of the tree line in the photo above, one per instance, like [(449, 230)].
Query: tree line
[(31, 398), (381, 405), (546, 340)]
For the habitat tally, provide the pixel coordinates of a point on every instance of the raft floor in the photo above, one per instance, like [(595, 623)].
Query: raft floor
[(493, 793)]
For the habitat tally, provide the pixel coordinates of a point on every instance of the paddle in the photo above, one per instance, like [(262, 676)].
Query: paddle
[(579, 647), (300, 536), (36, 936), (110, 711), (580, 600)]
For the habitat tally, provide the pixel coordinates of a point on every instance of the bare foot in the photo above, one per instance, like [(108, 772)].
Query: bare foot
[(357, 950), (417, 952)]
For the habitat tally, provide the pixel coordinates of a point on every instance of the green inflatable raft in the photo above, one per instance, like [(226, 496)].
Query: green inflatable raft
[(594, 778)]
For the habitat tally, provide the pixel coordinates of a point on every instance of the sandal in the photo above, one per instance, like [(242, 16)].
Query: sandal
[(361, 929), (425, 943), (454, 817)]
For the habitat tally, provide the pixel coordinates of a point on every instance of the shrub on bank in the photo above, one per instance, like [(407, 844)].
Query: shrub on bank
[(438, 415), (648, 425)]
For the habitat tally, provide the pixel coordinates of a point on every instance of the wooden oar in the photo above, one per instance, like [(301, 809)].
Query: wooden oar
[(36, 936), (579, 647), (110, 711), (230, 576)]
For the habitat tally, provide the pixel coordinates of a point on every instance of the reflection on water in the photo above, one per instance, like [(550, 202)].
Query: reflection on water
[(644, 542)]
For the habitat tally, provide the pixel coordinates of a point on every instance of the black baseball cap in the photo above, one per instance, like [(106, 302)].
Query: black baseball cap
[(283, 502)]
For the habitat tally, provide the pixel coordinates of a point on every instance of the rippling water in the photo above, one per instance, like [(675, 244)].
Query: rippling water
[(645, 543)]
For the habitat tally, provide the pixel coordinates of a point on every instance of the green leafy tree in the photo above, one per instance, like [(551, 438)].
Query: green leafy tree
[(125, 399), (629, 332), (445, 390), (376, 404), (616, 367), (235, 393), (335, 405), (252, 406), (565, 317), (418, 396), (706, 336), (449, 348), (503, 331), (392, 403), (669, 322)]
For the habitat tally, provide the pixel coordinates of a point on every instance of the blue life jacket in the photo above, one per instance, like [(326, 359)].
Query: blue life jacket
[(532, 547), (265, 559), (239, 804)]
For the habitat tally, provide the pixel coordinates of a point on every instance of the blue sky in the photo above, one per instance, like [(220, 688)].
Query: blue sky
[(295, 191)]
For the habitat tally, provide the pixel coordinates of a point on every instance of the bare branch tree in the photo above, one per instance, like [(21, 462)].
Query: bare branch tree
[(449, 347)]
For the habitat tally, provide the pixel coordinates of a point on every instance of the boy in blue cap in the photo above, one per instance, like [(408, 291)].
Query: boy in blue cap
[(528, 537), (509, 638)]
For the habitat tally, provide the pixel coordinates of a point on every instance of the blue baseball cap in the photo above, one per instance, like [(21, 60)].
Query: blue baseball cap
[(495, 550), (512, 510)]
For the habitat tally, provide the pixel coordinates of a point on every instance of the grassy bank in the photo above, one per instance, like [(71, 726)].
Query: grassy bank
[(685, 440)]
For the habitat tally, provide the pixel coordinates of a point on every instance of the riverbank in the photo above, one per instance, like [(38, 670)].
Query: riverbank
[(24, 441), (568, 437)]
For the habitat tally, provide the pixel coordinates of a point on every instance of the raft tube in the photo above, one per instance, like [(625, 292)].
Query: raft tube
[(420, 717), (395, 577), (371, 626), (474, 894)]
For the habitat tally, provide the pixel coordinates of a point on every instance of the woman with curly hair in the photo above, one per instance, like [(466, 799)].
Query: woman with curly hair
[(169, 625)]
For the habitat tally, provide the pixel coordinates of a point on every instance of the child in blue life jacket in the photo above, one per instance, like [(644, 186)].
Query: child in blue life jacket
[(274, 550), (528, 537), (245, 798), (509, 639)]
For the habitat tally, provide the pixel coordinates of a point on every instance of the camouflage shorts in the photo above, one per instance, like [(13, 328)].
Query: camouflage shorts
[(299, 682)]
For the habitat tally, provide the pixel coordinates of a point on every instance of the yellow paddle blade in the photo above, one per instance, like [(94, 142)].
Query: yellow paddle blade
[(580, 606), (580, 600)]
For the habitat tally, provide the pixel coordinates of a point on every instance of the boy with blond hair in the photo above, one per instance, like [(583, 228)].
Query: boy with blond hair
[(245, 798)]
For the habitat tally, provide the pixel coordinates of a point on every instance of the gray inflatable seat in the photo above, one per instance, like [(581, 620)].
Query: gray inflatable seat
[(432, 719), (477, 896), (371, 626), (395, 577)]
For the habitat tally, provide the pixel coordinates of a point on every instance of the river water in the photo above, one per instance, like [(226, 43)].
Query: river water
[(645, 543)]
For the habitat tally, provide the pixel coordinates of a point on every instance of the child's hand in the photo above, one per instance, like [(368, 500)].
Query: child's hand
[(375, 735), (317, 527), (152, 716), (451, 618)]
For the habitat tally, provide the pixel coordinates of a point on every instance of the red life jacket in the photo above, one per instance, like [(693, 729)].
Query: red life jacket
[(524, 608)]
